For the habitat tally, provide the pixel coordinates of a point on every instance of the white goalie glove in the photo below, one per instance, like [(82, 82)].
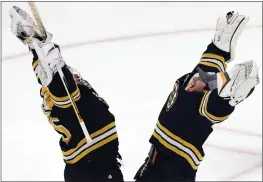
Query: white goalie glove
[(228, 30), (24, 27), (50, 59), (238, 83)]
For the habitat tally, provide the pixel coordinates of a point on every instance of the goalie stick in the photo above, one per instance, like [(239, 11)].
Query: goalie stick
[(61, 74)]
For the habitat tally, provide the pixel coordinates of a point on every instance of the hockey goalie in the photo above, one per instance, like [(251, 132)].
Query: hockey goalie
[(95, 160), (199, 99)]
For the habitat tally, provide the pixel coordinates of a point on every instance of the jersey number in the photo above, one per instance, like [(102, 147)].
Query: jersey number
[(66, 136)]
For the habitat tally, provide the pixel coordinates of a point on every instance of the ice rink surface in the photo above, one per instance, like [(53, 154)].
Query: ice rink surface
[(134, 76)]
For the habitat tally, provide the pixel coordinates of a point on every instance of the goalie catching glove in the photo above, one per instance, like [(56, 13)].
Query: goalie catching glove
[(23, 26)]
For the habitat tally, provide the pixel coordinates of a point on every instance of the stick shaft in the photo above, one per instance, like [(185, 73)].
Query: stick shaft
[(61, 74), (38, 19)]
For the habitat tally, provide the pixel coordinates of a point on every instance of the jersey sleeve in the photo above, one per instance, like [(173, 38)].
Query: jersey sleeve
[(213, 60), (56, 87), (58, 92), (215, 108), (35, 64)]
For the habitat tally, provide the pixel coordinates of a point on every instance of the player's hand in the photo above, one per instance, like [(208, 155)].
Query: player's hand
[(228, 30)]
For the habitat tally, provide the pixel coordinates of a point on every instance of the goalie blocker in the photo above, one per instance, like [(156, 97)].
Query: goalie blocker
[(96, 160)]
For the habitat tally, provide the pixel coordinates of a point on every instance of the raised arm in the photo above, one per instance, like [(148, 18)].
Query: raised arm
[(222, 48), (52, 80), (228, 89)]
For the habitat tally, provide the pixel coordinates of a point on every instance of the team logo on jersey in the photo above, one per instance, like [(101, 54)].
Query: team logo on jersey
[(173, 96)]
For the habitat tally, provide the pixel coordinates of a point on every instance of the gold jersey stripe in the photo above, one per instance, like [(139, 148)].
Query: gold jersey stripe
[(202, 103), (93, 135), (211, 65), (92, 148), (35, 64), (180, 140), (65, 98), (223, 77), (213, 117), (103, 130), (214, 56), (67, 105), (176, 150), (43, 90)]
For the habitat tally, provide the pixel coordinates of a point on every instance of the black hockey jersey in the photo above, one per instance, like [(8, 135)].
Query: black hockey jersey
[(186, 119), (100, 122)]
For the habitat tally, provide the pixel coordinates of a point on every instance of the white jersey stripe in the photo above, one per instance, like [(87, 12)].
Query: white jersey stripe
[(178, 145), (94, 141)]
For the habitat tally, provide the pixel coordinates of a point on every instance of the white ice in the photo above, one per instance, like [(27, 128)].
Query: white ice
[(134, 76)]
